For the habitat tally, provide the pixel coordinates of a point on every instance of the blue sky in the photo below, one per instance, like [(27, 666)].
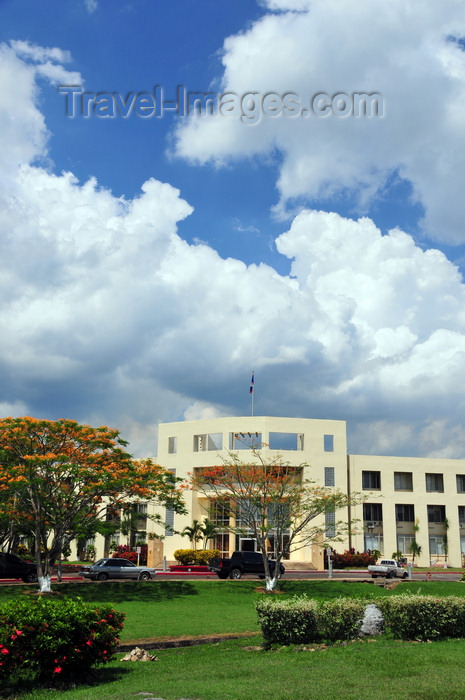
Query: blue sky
[(151, 263)]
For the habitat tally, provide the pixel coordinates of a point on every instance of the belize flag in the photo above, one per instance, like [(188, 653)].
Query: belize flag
[(252, 382)]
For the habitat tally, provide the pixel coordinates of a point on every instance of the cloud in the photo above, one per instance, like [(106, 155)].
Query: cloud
[(108, 316), (410, 53)]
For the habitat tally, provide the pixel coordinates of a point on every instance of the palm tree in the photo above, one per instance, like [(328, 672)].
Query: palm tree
[(209, 531), (194, 533)]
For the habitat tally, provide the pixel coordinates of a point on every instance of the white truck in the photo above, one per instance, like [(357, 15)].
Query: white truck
[(390, 568)]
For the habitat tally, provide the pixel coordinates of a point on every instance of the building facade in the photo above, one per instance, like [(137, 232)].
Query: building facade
[(406, 499)]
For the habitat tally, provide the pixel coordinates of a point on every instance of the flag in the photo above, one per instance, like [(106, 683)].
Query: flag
[(252, 382)]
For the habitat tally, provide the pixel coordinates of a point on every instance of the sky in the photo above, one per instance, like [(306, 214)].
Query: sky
[(194, 191)]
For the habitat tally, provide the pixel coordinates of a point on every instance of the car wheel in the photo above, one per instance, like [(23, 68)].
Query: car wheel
[(223, 576), (30, 578), (102, 576), (262, 576), (144, 576), (404, 575), (235, 573), (391, 574)]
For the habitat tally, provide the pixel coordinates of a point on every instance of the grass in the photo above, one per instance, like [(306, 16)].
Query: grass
[(240, 669)]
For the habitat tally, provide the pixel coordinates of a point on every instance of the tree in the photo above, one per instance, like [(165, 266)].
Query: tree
[(273, 504), (194, 533), (58, 477), (209, 531)]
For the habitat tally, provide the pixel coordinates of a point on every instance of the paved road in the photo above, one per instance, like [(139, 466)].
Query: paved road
[(441, 575)]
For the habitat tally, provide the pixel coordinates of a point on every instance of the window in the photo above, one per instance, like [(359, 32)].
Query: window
[(212, 441), (169, 515), (403, 481), (330, 523), (172, 445), (373, 541), (139, 508), (329, 476), (460, 483), (373, 512), (219, 513), (404, 542), (434, 482), (436, 514), (405, 513), (328, 443), (371, 480), (286, 441), (244, 441), (461, 514), (436, 545)]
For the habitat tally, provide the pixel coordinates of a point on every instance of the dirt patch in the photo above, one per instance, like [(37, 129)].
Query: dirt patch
[(186, 641)]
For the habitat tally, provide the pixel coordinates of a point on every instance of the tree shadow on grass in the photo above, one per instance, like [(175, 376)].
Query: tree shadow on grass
[(91, 678), (119, 591)]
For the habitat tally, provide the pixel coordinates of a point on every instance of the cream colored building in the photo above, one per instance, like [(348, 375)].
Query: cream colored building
[(401, 493)]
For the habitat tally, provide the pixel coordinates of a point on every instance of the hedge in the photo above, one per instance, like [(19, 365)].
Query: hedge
[(302, 620), (195, 556), (423, 617), (409, 617)]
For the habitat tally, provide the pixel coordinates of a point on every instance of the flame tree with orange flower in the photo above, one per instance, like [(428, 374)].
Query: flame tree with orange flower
[(59, 476), (270, 501)]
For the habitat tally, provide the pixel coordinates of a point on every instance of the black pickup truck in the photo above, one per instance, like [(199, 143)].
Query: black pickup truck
[(242, 563)]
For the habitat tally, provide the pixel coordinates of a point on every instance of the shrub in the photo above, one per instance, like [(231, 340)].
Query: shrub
[(352, 558), (48, 639), (196, 557), (203, 556), (185, 556), (302, 620), (340, 619), (287, 621), (124, 551), (423, 617)]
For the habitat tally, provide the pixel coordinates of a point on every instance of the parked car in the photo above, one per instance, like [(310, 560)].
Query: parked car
[(12, 566), (104, 569), (242, 563), (390, 568)]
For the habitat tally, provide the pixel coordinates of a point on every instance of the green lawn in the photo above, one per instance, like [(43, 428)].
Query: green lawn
[(240, 668)]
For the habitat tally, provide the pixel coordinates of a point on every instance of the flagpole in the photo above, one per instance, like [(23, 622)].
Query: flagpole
[(252, 387)]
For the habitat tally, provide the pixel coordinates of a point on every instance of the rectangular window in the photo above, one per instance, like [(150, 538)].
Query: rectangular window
[(371, 480), (172, 445), (245, 441), (461, 514), (139, 508), (219, 513), (460, 483), (210, 441), (330, 523), (169, 515), (373, 541), (404, 542), (328, 443), (436, 545), (329, 476), (405, 513), (373, 513), (403, 481), (436, 514), (434, 483), (286, 441)]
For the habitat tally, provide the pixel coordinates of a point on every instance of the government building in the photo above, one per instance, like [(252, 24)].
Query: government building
[(405, 498)]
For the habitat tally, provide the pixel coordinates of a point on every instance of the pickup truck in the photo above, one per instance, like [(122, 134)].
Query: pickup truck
[(242, 563), (389, 568)]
